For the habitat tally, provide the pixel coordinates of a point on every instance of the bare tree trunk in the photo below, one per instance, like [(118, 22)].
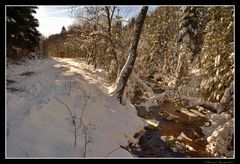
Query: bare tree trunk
[(109, 17), (128, 67)]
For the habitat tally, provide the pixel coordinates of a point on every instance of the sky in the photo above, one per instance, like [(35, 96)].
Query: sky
[(53, 18)]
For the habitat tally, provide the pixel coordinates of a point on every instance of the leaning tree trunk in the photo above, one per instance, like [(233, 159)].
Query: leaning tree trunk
[(128, 67)]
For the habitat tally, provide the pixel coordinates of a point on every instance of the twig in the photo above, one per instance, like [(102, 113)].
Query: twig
[(23, 151), (70, 87), (74, 122), (85, 135), (113, 151), (86, 98)]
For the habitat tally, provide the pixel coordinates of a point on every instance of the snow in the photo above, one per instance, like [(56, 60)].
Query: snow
[(167, 138), (216, 120), (11, 20), (221, 140), (157, 99), (39, 125), (220, 135), (153, 122), (144, 85), (31, 29), (183, 136)]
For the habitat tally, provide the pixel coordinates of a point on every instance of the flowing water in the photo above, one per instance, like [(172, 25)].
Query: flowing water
[(178, 136)]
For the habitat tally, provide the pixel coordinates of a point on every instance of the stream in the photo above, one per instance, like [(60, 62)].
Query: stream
[(173, 131)]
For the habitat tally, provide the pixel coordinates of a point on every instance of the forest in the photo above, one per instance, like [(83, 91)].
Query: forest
[(157, 85)]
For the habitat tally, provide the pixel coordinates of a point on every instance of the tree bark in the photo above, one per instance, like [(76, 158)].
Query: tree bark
[(128, 67)]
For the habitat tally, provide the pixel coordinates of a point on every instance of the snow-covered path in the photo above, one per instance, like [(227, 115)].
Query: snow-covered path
[(39, 123)]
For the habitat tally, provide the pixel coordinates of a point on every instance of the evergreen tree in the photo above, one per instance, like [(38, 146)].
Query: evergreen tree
[(63, 30), (188, 43), (22, 34), (217, 62)]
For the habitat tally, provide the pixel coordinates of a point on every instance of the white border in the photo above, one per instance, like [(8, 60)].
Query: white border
[(203, 158)]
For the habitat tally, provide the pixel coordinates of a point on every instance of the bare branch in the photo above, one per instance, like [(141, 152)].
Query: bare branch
[(73, 120), (214, 107), (112, 151), (143, 84)]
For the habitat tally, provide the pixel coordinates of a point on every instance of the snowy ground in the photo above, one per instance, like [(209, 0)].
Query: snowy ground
[(39, 123)]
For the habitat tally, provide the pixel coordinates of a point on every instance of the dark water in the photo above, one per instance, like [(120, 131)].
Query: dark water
[(151, 145)]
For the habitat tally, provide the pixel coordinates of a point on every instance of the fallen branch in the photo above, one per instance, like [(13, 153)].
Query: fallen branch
[(161, 97), (152, 96), (158, 98), (214, 107), (228, 94), (143, 84), (193, 102)]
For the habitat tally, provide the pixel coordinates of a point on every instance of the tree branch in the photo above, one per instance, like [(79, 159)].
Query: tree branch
[(112, 151), (74, 122), (143, 84), (214, 107)]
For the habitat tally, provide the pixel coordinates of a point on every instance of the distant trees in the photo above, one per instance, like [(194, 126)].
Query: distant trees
[(55, 45), (22, 35), (178, 45), (97, 36), (183, 46)]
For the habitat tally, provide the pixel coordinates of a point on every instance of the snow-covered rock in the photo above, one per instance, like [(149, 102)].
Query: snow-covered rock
[(220, 135), (221, 140)]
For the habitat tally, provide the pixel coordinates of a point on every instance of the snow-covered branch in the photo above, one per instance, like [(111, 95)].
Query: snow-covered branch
[(193, 102), (214, 107), (228, 94), (158, 98), (97, 33), (142, 84)]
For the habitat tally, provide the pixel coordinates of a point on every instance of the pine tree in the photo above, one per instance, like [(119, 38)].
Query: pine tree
[(22, 34), (64, 31), (217, 63), (188, 43)]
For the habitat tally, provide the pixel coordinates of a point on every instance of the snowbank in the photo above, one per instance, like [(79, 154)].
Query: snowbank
[(39, 125), (220, 135), (221, 140)]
